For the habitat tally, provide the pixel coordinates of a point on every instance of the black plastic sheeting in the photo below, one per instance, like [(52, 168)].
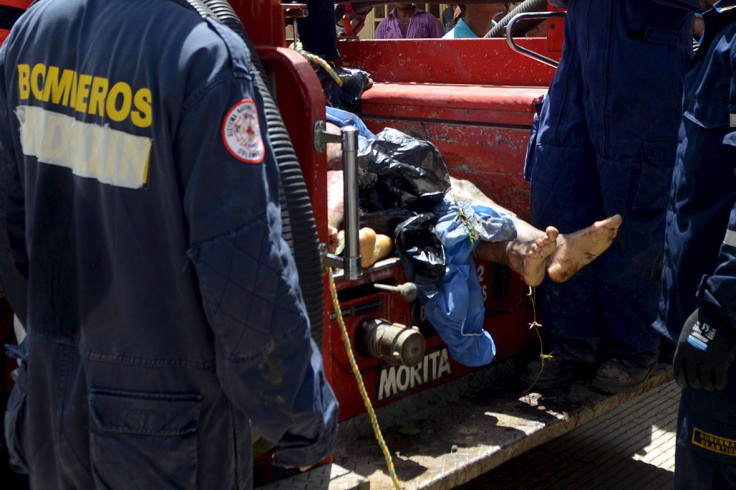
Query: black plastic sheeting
[(347, 97), (403, 173), (400, 180)]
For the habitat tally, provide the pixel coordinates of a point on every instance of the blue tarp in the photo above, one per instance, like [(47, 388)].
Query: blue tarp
[(457, 311)]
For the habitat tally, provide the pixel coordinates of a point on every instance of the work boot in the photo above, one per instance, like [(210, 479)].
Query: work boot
[(556, 373), (625, 374)]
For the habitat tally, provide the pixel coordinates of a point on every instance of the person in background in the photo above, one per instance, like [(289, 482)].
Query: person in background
[(408, 21), (698, 301), (318, 31), (141, 247), (449, 16), (606, 145), (477, 21)]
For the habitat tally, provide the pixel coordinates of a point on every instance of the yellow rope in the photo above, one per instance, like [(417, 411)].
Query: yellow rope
[(297, 46), (361, 386)]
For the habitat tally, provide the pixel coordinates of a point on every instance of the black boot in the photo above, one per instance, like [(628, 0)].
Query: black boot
[(552, 373), (625, 373)]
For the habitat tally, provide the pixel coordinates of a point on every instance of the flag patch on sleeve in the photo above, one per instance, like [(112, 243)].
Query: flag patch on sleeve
[(241, 132)]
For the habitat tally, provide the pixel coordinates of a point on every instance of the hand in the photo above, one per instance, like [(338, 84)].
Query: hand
[(705, 351)]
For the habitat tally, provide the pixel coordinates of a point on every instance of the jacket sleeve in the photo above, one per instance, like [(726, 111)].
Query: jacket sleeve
[(266, 361), (719, 287), (13, 256)]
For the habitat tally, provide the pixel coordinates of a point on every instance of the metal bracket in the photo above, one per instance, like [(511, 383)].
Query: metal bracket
[(525, 51), (330, 260), (321, 137), (295, 10), (348, 138)]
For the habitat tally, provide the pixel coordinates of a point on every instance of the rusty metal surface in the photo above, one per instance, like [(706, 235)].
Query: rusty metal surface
[(458, 440), (451, 61)]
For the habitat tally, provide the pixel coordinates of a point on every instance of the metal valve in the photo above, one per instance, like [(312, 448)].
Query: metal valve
[(392, 342)]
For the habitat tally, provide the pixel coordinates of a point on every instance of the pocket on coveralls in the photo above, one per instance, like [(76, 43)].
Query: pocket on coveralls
[(15, 418), (712, 439), (655, 178), (144, 440)]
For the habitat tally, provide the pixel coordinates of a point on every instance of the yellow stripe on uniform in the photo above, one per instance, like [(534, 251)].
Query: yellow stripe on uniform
[(108, 155)]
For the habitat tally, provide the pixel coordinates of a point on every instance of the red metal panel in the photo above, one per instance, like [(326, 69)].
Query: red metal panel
[(301, 102), (451, 61), (481, 131), (263, 20), (476, 104), (20, 4), (489, 156)]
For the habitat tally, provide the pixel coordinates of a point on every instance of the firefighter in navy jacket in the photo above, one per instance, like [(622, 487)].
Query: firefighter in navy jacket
[(698, 303), (140, 244)]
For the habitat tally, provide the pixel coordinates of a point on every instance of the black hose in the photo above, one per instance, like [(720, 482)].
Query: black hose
[(527, 6), (299, 228)]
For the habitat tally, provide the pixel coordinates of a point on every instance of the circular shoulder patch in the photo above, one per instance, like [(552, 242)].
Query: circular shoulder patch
[(242, 133)]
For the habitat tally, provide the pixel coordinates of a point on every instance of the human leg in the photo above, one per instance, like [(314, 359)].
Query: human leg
[(534, 251), (635, 137), (631, 118), (559, 255), (564, 193)]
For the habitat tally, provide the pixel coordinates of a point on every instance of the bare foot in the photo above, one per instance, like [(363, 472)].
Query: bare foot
[(576, 250), (528, 259)]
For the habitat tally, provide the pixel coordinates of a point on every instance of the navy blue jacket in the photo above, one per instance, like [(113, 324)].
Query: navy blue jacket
[(140, 244), (700, 239), (700, 246)]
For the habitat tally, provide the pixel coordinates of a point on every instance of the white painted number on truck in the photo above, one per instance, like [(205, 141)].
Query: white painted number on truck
[(481, 278)]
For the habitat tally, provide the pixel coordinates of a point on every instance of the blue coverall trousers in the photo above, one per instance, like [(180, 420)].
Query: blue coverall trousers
[(606, 145)]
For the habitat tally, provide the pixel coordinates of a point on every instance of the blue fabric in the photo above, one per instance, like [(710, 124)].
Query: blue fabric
[(606, 145), (693, 5), (706, 429), (163, 309), (341, 118), (700, 251), (701, 209), (532, 144), (460, 31), (457, 311)]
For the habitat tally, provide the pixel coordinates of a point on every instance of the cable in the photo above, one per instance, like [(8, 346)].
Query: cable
[(527, 6), (361, 386), (297, 46)]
